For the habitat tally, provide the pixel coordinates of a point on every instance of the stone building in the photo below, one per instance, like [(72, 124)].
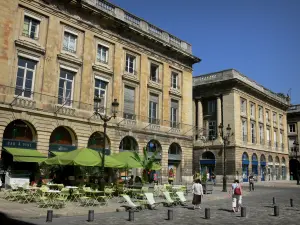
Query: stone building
[(257, 117), (293, 120), (56, 56)]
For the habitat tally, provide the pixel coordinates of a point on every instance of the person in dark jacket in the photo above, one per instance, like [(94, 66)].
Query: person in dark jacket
[(251, 182)]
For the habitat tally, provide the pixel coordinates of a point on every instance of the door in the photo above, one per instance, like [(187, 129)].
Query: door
[(263, 172)]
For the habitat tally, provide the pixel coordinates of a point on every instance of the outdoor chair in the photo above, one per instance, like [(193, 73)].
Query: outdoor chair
[(151, 201), (182, 199), (170, 201), (131, 205), (142, 193), (41, 200)]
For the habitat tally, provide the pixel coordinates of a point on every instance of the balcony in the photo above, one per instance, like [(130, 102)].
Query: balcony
[(253, 140), (269, 143), (282, 147), (276, 144), (175, 91), (139, 25), (154, 82)]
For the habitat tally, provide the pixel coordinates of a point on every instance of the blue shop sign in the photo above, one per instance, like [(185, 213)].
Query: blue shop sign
[(18, 144), (62, 148)]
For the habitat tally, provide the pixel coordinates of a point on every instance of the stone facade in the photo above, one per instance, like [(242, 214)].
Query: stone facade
[(293, 120), (93, 40), (257, 117)]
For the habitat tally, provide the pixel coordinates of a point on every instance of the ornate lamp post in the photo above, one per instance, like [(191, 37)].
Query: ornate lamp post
[(105, 118), (296, 150), (225, 138)]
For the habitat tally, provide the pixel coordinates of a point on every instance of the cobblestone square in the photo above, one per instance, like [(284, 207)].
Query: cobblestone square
[(259, 206)]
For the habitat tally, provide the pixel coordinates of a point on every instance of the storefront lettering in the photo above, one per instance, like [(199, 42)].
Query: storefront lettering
[(19, 144)]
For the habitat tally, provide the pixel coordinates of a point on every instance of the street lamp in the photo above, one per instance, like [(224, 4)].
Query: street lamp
[(296, 150), (225, 138), (105, 119)]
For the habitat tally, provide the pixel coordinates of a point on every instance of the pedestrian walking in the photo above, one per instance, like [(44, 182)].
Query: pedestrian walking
[(236, 192), (197, 191), (251, 182), (213, 178)]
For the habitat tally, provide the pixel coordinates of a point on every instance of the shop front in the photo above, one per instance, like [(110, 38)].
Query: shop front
[(153, 146), (207, 164), (263, 167), (270, 168), (174, 163), (277, 168), (19, 154), (283, 169), (245, 167), (254, 162)]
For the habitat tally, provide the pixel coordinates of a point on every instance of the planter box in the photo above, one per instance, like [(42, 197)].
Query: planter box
[(208, 187)]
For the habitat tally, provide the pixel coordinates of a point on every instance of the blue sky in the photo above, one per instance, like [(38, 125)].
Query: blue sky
[(260, 38)]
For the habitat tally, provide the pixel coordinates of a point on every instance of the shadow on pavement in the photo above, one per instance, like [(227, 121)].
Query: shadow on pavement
[(226, 210), (5, 220)]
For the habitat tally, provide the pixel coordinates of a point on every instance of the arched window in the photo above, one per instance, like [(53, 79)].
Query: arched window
[(19, 130), (62, 135), (208, 155), (153, 146), (245, 156), (128, 143), (96, 141), (174, 149)]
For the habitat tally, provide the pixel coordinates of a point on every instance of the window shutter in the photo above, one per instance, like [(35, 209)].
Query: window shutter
[(129, 100)]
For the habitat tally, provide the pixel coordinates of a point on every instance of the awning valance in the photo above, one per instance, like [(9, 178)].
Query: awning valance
[(26, 155), (57, 153)]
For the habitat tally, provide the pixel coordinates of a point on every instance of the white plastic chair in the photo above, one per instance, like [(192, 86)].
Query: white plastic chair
[(181, 197), (170, 201), (150, 200)]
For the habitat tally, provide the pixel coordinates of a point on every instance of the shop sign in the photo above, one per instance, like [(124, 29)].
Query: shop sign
[(18, 144), (62, 148), (107, 151)]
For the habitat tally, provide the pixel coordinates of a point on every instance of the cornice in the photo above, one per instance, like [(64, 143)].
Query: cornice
[(75, 19), (30, 46)]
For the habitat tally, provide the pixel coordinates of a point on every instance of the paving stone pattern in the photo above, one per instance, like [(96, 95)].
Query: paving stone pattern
[(259, 211)]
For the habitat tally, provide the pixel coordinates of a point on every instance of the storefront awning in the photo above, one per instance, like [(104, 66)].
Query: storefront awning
[(26, 155)]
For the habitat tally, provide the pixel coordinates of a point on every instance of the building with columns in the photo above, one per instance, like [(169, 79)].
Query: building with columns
[(257, 117), (57, 55), (293, 129)]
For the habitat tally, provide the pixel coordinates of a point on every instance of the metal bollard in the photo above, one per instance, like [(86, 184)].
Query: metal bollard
[(170, 214), (91, 216), (276, 210), (131, 215), (207, 213), (274, 201), (49, 215), (243, 212), (292, 203)]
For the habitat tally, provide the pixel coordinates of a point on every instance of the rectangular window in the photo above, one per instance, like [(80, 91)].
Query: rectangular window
[(129, 103), (244, 130), (292, 128), (70, 41), (275, 118), (25, 77), (253, 132), (101, 92), (252, 110), (130, 64), (211, 130), (281, 137), (174, 113), (211, 106), (31, 27), (275, 137), (267, 116), (243, 106), (65, 88), (280, 120), (260, 113), (174, 80), (261, 133), (102, 54), (154, 70), (268, 136), (153, 109)]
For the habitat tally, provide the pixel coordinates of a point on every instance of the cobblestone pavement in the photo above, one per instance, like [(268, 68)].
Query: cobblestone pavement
[(258, 205)]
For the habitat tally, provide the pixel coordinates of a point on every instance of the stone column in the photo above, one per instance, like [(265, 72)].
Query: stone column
[(219, 114), (200, 119)]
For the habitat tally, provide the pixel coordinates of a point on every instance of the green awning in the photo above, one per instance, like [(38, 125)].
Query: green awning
[(84, 157), (26, 155)]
